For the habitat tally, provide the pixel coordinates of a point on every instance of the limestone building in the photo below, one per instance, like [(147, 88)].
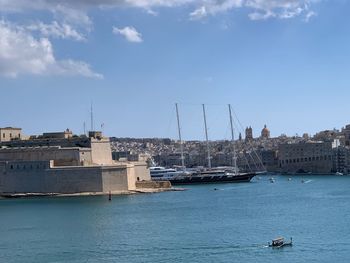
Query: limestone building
[(10, 133), (62, 163), (306, 157)]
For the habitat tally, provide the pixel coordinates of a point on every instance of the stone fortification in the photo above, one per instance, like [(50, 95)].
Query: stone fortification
[(43, 177), (66, 166)]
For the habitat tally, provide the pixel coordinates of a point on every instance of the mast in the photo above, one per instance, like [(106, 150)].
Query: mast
[(92, 118), (206, 136), (180, 138), (233, 141)]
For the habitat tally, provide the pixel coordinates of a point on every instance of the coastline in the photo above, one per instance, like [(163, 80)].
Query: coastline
[(113, 193)]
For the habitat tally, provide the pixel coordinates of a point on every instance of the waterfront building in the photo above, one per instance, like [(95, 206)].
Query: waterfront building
[(249, 134), (346, 134), (306, 136), (269, 159), (10, 133), (327, 135), (58, 135), (265, 133), (61, 163), (306, 157)]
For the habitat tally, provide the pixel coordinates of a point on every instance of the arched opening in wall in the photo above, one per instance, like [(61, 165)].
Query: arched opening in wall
[(138, 178)]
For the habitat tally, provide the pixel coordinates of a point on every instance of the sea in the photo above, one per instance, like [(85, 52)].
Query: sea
[(204, 223)]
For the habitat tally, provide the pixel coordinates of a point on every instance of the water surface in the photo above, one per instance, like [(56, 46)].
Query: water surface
[(232, 224)]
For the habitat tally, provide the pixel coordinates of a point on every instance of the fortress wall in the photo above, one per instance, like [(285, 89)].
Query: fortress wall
[(61, 156), (142, 172), (115, 179), (131, 177), (85, 156), (22, 177), (74, 180), (101, 152), (38, 177)]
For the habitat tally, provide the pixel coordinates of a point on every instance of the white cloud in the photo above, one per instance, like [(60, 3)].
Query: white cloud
[(130, 34), (309, 15), (213, 7), (199, 13), (22, 53), (283, 9), (57, 30), (76, 10)]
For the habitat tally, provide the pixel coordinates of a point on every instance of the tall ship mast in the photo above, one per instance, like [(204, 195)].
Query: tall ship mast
[(206, 136), (234, 163), (180, 137), (200, 176)]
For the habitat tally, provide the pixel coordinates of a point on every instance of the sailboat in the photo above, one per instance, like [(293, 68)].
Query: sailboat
[(209, 175)]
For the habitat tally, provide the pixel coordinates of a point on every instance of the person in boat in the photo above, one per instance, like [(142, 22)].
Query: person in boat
[(279, 242)]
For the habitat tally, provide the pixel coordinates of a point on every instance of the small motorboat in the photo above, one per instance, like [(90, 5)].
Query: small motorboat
[(279, 243), (272, 180)]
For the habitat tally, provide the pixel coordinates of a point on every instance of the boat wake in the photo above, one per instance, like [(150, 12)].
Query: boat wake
[(307, 181)]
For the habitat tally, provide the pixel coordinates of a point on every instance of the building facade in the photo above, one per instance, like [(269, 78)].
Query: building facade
[(306, 157), (9, 133)]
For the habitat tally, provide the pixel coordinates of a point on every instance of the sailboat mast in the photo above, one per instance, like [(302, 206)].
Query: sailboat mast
[(206, 136), (233, 141), (180, 138)]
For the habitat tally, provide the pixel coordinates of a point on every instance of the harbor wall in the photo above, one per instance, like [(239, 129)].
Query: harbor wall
[(41, 177)]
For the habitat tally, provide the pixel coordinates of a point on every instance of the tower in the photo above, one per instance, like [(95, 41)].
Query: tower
[(249, 134)]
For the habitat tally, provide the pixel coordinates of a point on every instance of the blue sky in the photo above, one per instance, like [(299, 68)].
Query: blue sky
[(281, 63)]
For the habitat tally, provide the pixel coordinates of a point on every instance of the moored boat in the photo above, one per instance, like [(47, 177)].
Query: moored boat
[(198, 177)]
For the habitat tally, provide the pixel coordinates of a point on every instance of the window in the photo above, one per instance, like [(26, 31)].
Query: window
[(3, 135), (10, 135)]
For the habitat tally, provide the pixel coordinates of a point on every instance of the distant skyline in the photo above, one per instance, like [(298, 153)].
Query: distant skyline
[(280, 63)]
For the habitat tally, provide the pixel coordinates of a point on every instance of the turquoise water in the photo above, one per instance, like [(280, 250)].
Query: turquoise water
[(232, 224)]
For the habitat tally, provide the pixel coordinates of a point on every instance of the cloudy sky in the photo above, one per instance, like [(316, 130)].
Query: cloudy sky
[(281, 62)]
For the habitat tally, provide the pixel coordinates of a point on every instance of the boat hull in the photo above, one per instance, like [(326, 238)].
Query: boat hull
[(207, 179)]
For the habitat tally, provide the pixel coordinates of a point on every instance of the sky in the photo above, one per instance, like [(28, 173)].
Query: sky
[(283, 63)]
